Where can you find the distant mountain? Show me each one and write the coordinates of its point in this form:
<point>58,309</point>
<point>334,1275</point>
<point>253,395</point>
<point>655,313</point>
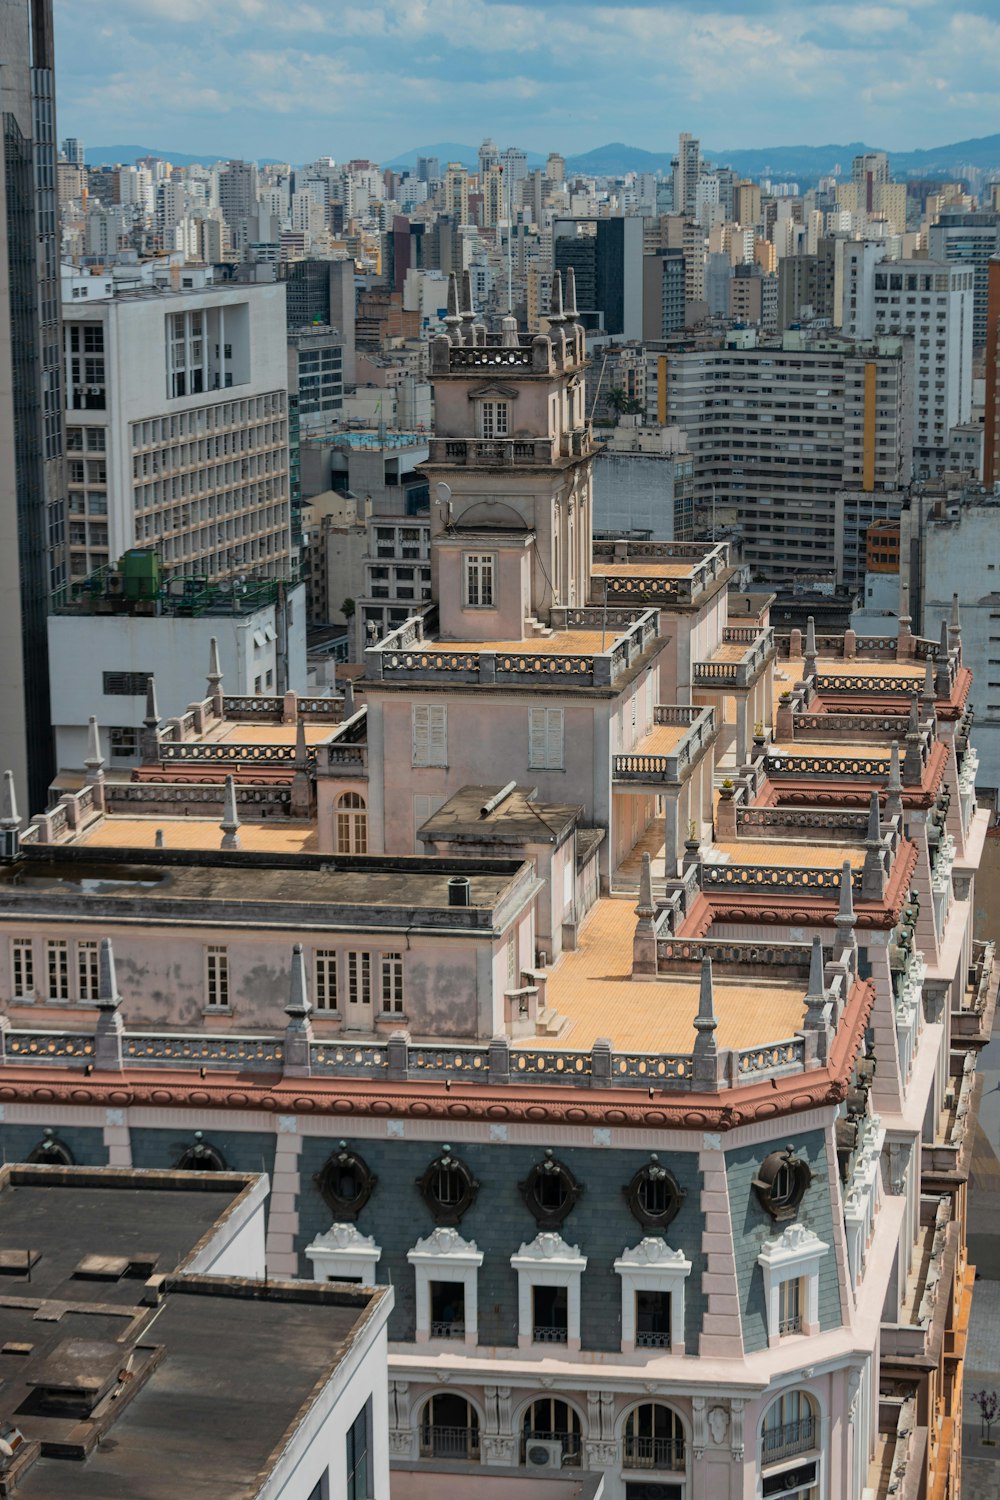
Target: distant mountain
<point>447,151</point>
<point>805,162</point>
<point>109,156</point>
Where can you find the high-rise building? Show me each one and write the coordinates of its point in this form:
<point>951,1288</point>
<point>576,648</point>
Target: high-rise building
<point>428,169</point>
<point>969,239</point>
<point>489,156</point>
<point>662,294</point>
<point>869,172</point>
<point>779,429</point>
<point>177,429</point>
<point>322,291</point>
<point>456,192</point>
<point>32,474</point>
<point>72,149</point>
<point>991,434</point>
<point>515,163</point>
<point>606,255</point>
<point>746,203</point>
<point>686,167</point>
<point>811,286</point>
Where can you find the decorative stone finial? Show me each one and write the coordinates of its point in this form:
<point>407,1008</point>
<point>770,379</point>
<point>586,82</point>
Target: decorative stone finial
<point>645,908</point>
<point>556,314</point>
<point>468,311</point>
<point>158,842</point>
<point>230,818</point>
<point>913,723</point>
<point>508,332</point>
<point>894,799</point>
<point>817,986</point>
<point>955,626</point>
<point>301,750</point>
<point>810,647</point>
<point>929,694</point>
<point>845,919</point>
<point>572,315</point>
<point>453,318</point>
<point>942,683</point>
<point>349,709</point>
<point>873,837</point>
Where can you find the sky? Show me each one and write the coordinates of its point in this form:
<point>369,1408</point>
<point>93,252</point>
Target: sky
<point>295,79</point>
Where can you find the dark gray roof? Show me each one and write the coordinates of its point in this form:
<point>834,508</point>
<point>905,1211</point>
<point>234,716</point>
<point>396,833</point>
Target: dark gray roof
<point>519,818</point>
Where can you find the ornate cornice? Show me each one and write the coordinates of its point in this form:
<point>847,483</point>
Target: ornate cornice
<point>538,1105</point>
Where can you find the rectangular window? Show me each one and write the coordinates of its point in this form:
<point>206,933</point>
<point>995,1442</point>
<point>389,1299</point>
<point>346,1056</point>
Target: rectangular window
<point>545,739</point>
<point>392,982</point>
<point>124,742</point>
<point>217,978</point>
<point>494,419</point>
<point>359,978</point>
<point>360,1479</point>
<point>790,1306</point>
<point>87,974</point>
<point>325,987</point>
<point>430,735</point>
<point>480,570</point>
<point>57,955</point>
<point>22,958</point>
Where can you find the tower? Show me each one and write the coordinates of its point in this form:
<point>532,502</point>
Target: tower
<point>510,473</point>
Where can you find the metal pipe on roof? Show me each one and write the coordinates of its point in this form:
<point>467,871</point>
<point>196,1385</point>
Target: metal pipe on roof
<point>496,799</point>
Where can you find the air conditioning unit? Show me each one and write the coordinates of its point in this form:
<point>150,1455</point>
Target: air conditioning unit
<point>543,1453</point>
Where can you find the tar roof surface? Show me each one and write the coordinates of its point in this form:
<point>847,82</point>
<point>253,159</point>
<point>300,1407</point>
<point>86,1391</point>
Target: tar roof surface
<point>519,817</point>
<point>235,1374</point>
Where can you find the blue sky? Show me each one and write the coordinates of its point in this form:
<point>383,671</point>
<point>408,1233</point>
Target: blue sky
<point>294,79</point>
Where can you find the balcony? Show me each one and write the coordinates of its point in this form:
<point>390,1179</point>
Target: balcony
<point>926,1295</point>
<point>972,1022</point>
<point>448,1328</point>
<point>789,1439</point>
<point>738,661</point>
<point>542,1333</point>
<point>946,1161</point>
<point>460,1443</point>
<point>666,1455</point>
<point>493,453</point>
<point>665,756</point>
<point>897,1467</point>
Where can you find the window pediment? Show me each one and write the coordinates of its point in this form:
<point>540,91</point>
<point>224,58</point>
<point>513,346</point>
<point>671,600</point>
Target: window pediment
<point>494,392</point>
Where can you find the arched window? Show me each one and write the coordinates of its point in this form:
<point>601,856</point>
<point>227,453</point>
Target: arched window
<point>781,1183</point>
<point>352,824</point>
<point>790,1427</point>
<point>548,1421</point>
<point>653,1195</point>
<point>449,1428</point>
<point>654,1439</point>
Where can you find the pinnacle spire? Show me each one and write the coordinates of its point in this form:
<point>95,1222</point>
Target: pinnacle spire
<point>645,908</point>
<point>929,693</point>
<point>8,803</point>
<point>913,725</point>
<point>572,315</point>
<point>301,752</point>
<point>556,314</point>
<point>298,1007</point>
<point>817,987</point>
<point>873,837</point>
<point>94,760</point>
<point>845,914</point>
<point>230,818</point>
<point>894,801</point>
<point>152,716</point>
<point>108,997</point>
<point>809,653</point>
<point>453,318</point>
<point>955,625</point>
<point>214,666</point>
<point>705,1023</point>
<point>468,311</point>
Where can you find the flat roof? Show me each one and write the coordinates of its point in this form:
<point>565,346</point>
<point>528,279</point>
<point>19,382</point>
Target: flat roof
<point>645,570</point>
<point>559,643</point>
<point>278,887</point>
<point>221,1370</point>
<point>593,989</point>
<point>244,732</point>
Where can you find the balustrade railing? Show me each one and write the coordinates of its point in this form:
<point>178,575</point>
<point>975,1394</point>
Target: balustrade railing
<point>788,1439</point>
<point>653,1453</point>
<point>802,763</point>
<point>774,878</point>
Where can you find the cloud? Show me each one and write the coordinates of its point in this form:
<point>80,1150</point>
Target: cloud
<point>294,79</point>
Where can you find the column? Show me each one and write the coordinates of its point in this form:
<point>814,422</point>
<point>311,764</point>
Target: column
<point>283,1219</point>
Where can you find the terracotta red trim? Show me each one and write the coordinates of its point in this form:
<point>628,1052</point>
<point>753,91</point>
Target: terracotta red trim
<point>536,1105</point>
<point>800,908</point>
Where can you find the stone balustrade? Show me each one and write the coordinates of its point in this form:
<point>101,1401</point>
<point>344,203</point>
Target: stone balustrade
<point>737,674</point>
<point>700,732</point>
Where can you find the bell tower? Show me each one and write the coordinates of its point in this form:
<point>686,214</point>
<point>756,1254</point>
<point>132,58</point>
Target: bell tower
<point>510,471</point>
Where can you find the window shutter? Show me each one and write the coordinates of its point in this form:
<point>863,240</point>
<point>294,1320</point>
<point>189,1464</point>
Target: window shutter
<point>554,739</point>
<point>430,735</point>
<point>439,736</point>
<point>421,735</point>
<point>536,738</point>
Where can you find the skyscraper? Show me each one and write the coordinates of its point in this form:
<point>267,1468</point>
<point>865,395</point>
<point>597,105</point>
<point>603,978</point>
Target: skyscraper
<point>687,169</point>
<point>32,504</point>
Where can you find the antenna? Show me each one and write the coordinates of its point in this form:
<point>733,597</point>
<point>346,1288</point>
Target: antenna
<point>510,242</point>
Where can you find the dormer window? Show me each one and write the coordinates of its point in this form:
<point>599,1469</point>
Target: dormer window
<point>494,419</point>
<point>480,580</point>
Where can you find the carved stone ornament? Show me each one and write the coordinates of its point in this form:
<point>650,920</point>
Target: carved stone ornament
<point>345,1182</point>
<point>718,1423</point>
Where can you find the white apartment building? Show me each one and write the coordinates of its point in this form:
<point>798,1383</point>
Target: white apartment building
<point>930,302</point>
<point>177,427</point>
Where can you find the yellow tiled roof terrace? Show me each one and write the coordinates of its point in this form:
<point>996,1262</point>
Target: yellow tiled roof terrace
<point>272,837</point>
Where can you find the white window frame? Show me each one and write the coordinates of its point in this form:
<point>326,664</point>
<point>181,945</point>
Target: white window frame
<point>548,1261</point>
<point>217,977</point>
<point>445,1256</point>
<point>651,1266</point>
<point>479,580</point>
<point>795,1255</point>
<point>391,983</point>
<point>22,968</point>
<point>56,949</point>
<point>494,419</point>
<point>546,739</point>
<point>344,1251</point>
<point>429,725</point>
<point>88,969</point>
<point>325,980</point>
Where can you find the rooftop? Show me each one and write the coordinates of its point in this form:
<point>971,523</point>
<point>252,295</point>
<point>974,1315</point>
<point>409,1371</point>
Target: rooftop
<point>593,989</point>
<point>805,855</point>
<point>277,836</point>
<point>519,818</point>
<point>98,1397</point>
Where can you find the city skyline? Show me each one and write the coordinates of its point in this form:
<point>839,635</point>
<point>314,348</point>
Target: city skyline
<point>241,80</point>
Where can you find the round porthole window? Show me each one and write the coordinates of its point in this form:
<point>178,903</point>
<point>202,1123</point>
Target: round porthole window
<point>781,1183</point>
<point>550,1190</point>
<point>50,1152</point>
<point>654,1196</point>
<point>448,1188</point>
<point>201,1157</point>
<point>345,1183</point>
